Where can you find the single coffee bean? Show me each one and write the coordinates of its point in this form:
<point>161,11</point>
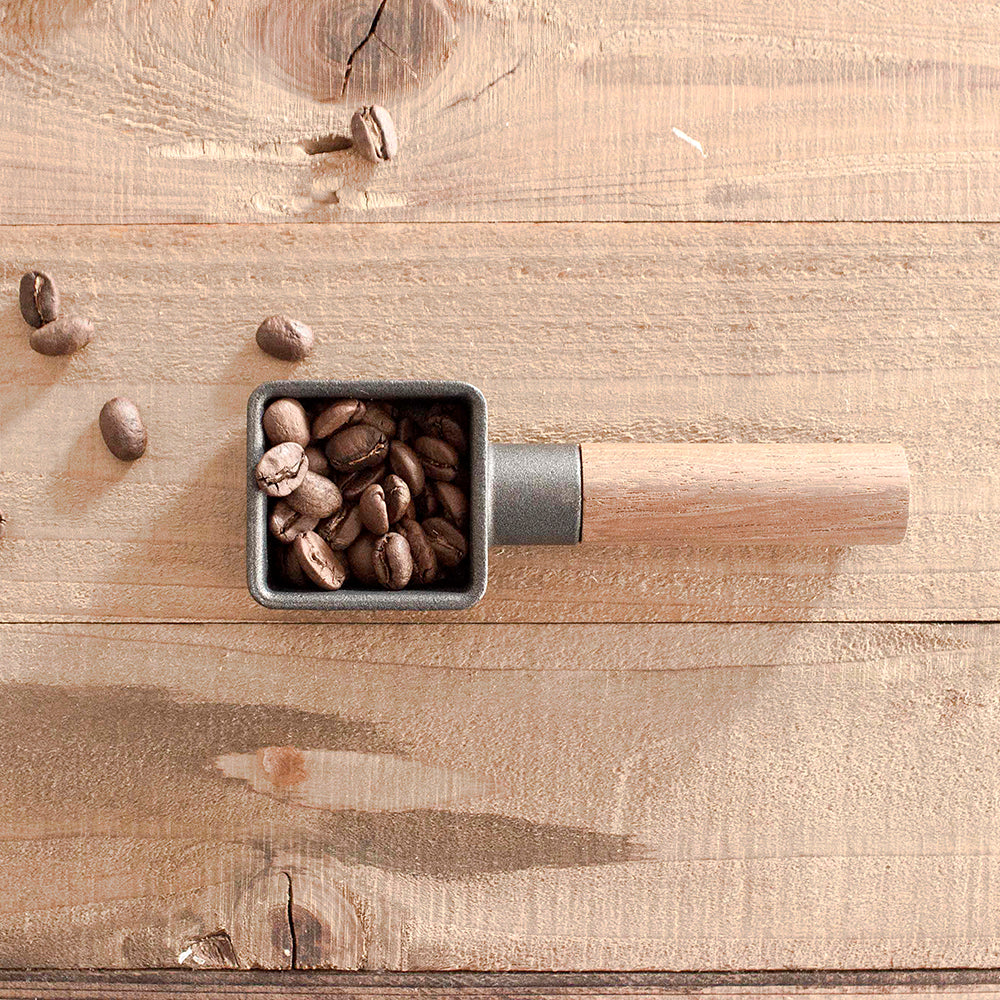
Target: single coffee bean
<point>374,134</point>
<point>282,469</point>
<point>393,561</point>
<point>425,563</point>
<point>407,465</point>
<point>284,338</point>
<point>39,299</point>
<point>286,523</point>
<point>341,529</point>
<point>361,557</point>
<point>65,335</point>
<point>453,504</point>
<point>355,483</point>
<point>397,497</point>
<point>359,446</point>
<point>292,567</point>
<point>316,496</point>
<point>286,420</point>
<point>326,568</point>
<point>376,416</point>
<point>122,429</point>
<point>449,543</point>
<point>374,515</point>
<point>337,415</point>
<point>317,460</point>
<point>439,459</point>
<point>440,425</point>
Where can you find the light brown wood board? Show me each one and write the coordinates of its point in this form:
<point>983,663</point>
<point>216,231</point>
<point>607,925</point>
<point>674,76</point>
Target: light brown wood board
<point>203,110</point>
<point>500,796</point>
<point>713,333</point>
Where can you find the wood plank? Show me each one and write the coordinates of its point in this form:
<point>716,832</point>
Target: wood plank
<point>491,797</point>
<point>920,985</point>
<point>126,111</point>
<point>780,333</point>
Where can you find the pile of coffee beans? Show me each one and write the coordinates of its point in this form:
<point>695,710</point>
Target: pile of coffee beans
<point>370,494</point>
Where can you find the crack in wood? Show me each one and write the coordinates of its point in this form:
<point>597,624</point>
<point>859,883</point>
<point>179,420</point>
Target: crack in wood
<point>357,48</point>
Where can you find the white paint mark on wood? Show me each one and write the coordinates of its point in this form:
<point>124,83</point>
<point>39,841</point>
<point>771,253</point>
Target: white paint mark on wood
<point>684,137</point>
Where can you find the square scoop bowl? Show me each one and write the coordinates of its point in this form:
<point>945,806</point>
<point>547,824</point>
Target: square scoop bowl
<point>263,577</point>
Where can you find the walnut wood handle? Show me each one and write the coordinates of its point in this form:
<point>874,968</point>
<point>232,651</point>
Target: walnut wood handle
<point>726,494</point>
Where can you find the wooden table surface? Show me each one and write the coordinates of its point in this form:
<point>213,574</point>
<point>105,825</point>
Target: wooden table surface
<point>762,223</point>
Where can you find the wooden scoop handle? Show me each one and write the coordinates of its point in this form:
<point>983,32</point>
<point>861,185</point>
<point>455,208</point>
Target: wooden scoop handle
<point>733,494</point>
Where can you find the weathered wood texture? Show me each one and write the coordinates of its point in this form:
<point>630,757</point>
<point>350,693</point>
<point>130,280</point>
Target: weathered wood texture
<point>510,986</point>
<point>195,110</point>
<point>500,796</point>
<point>783,333</point>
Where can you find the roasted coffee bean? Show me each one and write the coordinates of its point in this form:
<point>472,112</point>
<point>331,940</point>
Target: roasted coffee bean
<point>340,530</point>
<point>65,335</point>
<point>449,543</point>
<point>122,429</point>
<point>405,462</point>
<point>39,299</point>
<point>284,338</point>
<point>317,460</point>
<point>452,504</point>
<point>359,446</point>
<point>439,459</point>
<point>316,496</point>
<point>397,497</point>
<point>286,420</point>
<point>376,416</point>
<point>425,563</point>
<point>373,511</point>
<point>393,561</point>
<point>326,568</point>
<point>407,430</point>
<point>337,415</point>
<point>361,557</point>
<point>374,134</point>
<point>282,469</point>
<point>292,567</point>
<point>354,484</point>
<point>286,523</point>
<point>440,424</point>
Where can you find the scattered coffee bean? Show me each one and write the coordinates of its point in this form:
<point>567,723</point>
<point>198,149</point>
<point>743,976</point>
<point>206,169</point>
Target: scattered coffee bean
<point>337,415</point>
<point>286,420</point>
<point>282,469</point>
<point>340,530</point>
<point>452,503</point>
<point>359,446</point>
<point>122,429</point>
<point>286,523</point>
<point>439,459</point>
<point>316,496</point>
<point>39,299</point>
<point>449,543</point>
<point>354,484</point>
<point>374,134</point>
<point>361,558</point>
<point>393,561</point>
<point>374,515</point>
<point>326,568</point>
<point>360,506</point>
<point>317,460</point>
<point>425,564</point>
<point>284,338</point>
<point>407,465</point>
<point>397,497</point>
<point>65,335</point>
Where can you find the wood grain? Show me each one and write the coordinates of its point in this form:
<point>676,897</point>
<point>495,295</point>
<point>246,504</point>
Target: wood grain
<point>786,334</point>
<point>203,110</point>
<point>458,986</point>
<point>740,494</point>
<point>591,797</point>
